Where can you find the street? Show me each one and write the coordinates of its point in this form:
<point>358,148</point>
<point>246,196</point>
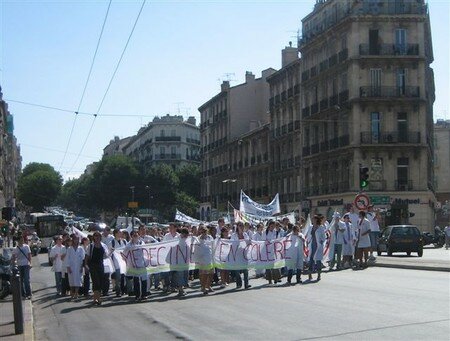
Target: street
<point>376,303</point>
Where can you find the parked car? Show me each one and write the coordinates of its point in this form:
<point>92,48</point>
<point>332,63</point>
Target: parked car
<point>401,238</point>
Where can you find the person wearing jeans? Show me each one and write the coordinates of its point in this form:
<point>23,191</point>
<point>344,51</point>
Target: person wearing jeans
<point>118,242</point>
<point>22,255</point>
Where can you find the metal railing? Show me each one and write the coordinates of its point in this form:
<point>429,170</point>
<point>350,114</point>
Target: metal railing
<point>368,137</point>
<point>389,50</point>
<point>389,91</point>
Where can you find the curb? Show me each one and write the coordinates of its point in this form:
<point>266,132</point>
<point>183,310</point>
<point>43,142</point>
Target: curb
<point>413,267</point>
<point>28,328</point>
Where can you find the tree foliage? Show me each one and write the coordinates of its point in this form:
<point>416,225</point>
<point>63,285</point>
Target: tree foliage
<point>39,185</point>
<point>189,176</point>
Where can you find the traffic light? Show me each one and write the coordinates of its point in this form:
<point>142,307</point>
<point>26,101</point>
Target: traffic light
<point>363,176</point>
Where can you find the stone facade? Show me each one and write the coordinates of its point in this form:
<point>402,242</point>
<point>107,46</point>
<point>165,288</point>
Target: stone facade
<point>167,139</point>
<point>10,159</point>
<point>442,171</point>
<point>235,147</point>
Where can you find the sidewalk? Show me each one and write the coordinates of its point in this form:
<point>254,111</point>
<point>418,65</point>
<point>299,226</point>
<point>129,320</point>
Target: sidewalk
<point>7,328</point>
<point>432,260</point>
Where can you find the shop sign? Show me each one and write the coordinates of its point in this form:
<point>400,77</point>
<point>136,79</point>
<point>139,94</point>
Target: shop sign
<point>330,202</point>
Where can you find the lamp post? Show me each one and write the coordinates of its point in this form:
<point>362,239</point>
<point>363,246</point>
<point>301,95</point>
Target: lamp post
<point>132,212</point>
<point>149,200</point>
<point>132,193</point>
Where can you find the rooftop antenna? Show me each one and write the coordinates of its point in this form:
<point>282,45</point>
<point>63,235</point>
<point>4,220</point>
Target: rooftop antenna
<point>178,104</point>
<point>293,42</point>
<point>228,75</point>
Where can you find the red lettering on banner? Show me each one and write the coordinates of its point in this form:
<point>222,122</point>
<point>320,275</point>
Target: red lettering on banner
<point>184,255</point>
<point>254,254</point>
<point>231,251</point>
<point>268,251</point>
<point>285,242</point>
<point>260,255</point>
<point>244,253</point>
<point>127,256</point>
<point>278,250</point>
<point>158,262</point>
<point>221,253</point>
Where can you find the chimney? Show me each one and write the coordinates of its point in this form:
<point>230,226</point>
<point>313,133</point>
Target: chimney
<point>288,55</point>
<point>249,77</point>
<point>225,85</point>
<point>191,120</point>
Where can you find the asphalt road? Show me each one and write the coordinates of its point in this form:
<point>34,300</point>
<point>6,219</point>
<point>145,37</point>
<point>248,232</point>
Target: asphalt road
<point>375,304</point>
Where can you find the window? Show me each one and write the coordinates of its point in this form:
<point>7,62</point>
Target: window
<point>402,173</point>
<point>400,41</point>
<point>173,150</point>
<point>401,81</point>
<point>375,81</point>
<point>402,127</point>
<point>344,82</point>
<point>173,132</point>
<point>163,133</point>
<point>162,150</point>
<point>375,127</point>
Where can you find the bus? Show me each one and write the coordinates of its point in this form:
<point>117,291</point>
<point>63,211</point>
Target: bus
<point>47,227</point>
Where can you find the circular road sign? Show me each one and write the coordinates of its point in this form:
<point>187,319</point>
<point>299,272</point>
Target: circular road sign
<point>361,201</point>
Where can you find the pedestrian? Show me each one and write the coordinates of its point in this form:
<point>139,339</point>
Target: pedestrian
<point>204,260</point>
<point>119,276</point>
<point>96,253</point>
<point>85,242</point>
<point>75,261</point>
<point>168,277</point>
<point>182,275</point>
<point>55,255</point>
<point>272,233</point>
<point>224,274</point>
<point>139,266</point>
<point>348,240</point>
<point>315,239</point>
<point>239,236</point>
<point>373,216</point>
<point>337,234</point>
<point>259,236</point>
<point>363,243</point>
<point>22,256</point>
<point>296,263</point>
<point>67,242</point>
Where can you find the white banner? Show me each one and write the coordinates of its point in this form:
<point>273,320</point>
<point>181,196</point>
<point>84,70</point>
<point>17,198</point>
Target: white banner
<point>249,206</point>
<point>187,254</point>
<point>179,216</point>
<point>240,216</point>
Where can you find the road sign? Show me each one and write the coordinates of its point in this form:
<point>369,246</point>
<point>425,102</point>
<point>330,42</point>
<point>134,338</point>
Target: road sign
<point>361,201</point>
<point>380,199</point>
<point>133,204</point>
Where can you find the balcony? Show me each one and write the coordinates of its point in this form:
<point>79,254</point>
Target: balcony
<point>324,146</point>
<point>389,92</point>
<point>333,100</point>
<point>343,55</point>
<point>389,50</point>
<point>403,185</point>
<point>314,108</point>
<point>167,156</point>
<point>296,89</point>
<point>344,140</point>
<point>368,137</point>
<point>332,61</point>
<point>284,129</point>
<point>315,148</point>
<point>193,141</point>
<point>167,138</point>
<point>323,65</point>
<point>290,127</point>
<point>343,96</point>
<point>334,143</point>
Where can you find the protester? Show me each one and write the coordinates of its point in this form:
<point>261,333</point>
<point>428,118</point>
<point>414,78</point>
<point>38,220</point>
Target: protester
<point>447,237</point>
<point>337,231</point>
<point>75,258</point>
<point>139,266</point>
<point>22,256</point>
<point>363,243</point>
<point>55,255</point>
<point>119,276</point>
<point>296,264</point>
<point>85,242</point>
<point>238,236</point>
<point>204,260</point>
<point>182,276</point>
<point>224,274</point>
<point>65,275</point>
<point>373,217</point>
<point>315,239</point>
<point>348,240</point>
<point>168,277</point>
<point>272,233</point>
<point>96,253</point>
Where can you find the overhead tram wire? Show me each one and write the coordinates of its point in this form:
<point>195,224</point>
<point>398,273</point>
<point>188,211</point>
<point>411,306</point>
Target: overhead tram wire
<point>85,85</point>
<point>109,86</point>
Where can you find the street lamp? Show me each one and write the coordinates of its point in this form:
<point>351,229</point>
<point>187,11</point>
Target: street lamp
<point>229,181</point>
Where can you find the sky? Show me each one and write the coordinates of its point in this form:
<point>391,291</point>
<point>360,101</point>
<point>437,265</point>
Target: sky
<point>176,59</point>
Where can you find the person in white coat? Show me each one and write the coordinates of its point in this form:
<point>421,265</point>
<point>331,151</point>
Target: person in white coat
<point>55,255</point>
<point>296,263</point>
<point>337,234</point>
<point>271,234</point>
<point>315,239</point>
<point>348,240</point>
<point>363,239</point>
<point>75,258</point>
<point>259,236</point>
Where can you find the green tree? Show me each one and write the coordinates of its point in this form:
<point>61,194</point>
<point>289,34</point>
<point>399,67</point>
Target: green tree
<point>112,179</point>
<point>186,204</point>
<point>189,176</point>
<point>39,185</point>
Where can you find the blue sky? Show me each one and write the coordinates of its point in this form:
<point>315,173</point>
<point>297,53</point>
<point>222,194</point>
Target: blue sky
<point>175,61</point>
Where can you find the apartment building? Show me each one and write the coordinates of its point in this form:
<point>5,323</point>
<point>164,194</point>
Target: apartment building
<point>367,94</point>
<point>442,171</point>
<point>167,139</point>
<point>234,144</point>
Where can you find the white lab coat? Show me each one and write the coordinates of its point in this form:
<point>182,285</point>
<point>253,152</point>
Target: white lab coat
<point>348,239</point>
<point>363,227</point>
<point>320,240</point>
<point>75,259</point>
<point>297,260</point>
